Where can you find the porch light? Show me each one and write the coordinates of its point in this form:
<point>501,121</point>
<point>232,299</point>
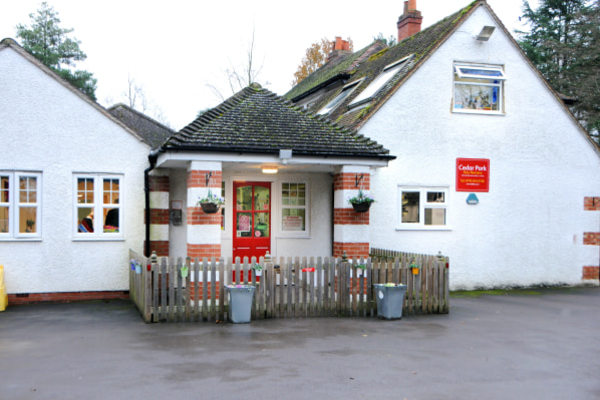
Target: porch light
<point>269,170</point>
<point>485,33</point>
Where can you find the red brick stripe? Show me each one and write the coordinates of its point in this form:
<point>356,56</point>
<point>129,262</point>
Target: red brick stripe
<point>158,216</point>
<point>65,297</point>
<point>352,250</point>
<point>347,181</point>
<point>591,203</point>
<point>195,216</point>
<point>198,179</point>
<point>159,183</point>
<point>160,246</point>
<point>347,216</point>
<point>591,238</point>
<point>203,250</point>
<point>590,272</point>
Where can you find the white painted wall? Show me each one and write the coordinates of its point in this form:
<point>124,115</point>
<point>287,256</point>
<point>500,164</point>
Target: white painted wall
<point>528,229</point>
<point>46,127</point>
<point>316,243</point>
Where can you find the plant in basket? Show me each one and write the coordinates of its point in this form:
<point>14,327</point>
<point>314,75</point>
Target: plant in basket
<point>361,202</point>
<point>211,203</point>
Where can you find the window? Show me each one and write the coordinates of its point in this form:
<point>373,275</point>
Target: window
<point>20,198</point>
<point>97,206</point>
<point>478,88</point>
<point>337,100</point>
<point>377,83</point>
<point>294,206</point>
<point>423,207</point>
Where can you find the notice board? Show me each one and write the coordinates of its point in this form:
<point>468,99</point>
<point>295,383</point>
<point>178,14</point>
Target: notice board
<point>472,175</point>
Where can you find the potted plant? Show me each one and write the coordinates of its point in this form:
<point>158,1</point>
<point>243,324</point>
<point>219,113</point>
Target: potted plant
<point>258,269</point>
<point>211,203</point>
<point>362,202</point>
<point>414,268</point>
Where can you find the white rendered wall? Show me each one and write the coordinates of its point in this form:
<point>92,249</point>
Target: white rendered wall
<point>317,242</point>
<point>528,229</point>
<point>45,127</point>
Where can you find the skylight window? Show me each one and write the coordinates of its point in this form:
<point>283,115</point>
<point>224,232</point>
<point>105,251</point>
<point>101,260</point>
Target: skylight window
<point>379,82</point>
<point>337,100</point>
<point>466,72</point>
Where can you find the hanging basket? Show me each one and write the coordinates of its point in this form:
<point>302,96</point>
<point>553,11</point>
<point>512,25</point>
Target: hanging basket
<point>209,208</point>
<point>361,207</point>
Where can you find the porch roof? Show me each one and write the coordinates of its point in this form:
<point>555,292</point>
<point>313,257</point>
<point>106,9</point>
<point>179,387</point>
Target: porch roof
<point>257,121</point>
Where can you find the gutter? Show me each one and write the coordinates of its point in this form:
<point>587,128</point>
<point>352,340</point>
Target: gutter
<point>152,157</point>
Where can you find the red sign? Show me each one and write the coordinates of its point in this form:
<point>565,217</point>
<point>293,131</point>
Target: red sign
<point>472,175</point>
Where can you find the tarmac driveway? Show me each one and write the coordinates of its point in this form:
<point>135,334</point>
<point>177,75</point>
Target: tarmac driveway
<point>493,347</point>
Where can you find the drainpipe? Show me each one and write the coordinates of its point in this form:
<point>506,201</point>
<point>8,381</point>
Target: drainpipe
<point>152,157</point>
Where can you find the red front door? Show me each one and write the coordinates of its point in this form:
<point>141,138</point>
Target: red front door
<point>251,219</point>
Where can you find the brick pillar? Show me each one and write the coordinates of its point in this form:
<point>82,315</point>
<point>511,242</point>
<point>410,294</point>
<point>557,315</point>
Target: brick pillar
<point>203,230</point>
<point>591,272</point>
<point>159,212</point>
<point>350,229</point>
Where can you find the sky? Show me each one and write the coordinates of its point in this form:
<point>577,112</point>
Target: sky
<point>178,51</point>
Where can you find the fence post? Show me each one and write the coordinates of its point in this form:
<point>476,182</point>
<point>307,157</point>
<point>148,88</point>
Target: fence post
<point>148,287</point>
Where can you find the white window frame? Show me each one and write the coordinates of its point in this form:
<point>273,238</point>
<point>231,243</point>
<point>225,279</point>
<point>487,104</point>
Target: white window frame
<point>295,234</point>
<point>461,77</point>
<point>423,204</point>
<point>98,206</point>
<point>380,81</point>
<point>340,97</point>
<point>14,205</point>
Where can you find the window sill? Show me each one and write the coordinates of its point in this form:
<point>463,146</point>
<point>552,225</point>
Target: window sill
<point>99,239</point>
<point>477,112</point>
<point>284,236</point>
<point>13,239</point>
<point>423,228</point>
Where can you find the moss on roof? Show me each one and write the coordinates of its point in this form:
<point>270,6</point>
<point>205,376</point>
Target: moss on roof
<point>257,121</point>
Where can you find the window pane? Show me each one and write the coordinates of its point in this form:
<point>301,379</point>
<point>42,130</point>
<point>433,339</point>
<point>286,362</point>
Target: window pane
<point>435,197</point>
<point>85,190</point>
<point>261,224</point>
<point>435,216</point>
<point>111,220</point>
<point>4,220</point>
<point>410,207</point>
<point>294,219</point>
<point>476,97</point>
<point>85,220</point>
<point>111,191</point>
<point>27,219</point>
<point>482,72</point>
<point>4,189</point>
<point>27,189</point>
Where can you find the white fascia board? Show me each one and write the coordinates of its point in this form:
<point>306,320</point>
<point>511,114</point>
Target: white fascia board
<point>163,158</point>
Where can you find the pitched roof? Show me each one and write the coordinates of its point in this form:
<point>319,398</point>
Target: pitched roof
<point>152,132</point>
<point>256,120</point>
<point>11,43</point>
<point>417,47</point>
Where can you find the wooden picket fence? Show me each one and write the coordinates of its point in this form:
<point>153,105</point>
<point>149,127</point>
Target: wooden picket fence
<point>194,290</point>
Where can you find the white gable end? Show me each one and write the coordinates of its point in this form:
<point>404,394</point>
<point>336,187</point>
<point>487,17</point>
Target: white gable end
<point>528,228</point>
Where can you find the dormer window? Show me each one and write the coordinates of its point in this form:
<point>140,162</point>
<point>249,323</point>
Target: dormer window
<point>384,77</point>
<point>337,100</point>
<point>478,88</point>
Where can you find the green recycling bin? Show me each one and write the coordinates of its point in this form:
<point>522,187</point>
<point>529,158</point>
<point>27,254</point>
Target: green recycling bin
<point>240,302</point>
<point>390,299</point>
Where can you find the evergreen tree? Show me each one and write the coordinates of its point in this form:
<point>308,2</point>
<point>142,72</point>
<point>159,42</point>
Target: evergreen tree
<point>563,43</point>
<point>49,43</point>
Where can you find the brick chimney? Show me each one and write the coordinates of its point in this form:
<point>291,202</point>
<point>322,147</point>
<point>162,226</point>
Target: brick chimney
<point>409,23</point>
<point>340,46</point>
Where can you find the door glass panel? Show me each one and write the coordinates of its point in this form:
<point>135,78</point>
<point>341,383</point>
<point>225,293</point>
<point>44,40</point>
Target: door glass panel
<point>244,224</point>
<point>261,224</point>
<point>27,219</point>
<point>244,198</point>
<point>261,198</point>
